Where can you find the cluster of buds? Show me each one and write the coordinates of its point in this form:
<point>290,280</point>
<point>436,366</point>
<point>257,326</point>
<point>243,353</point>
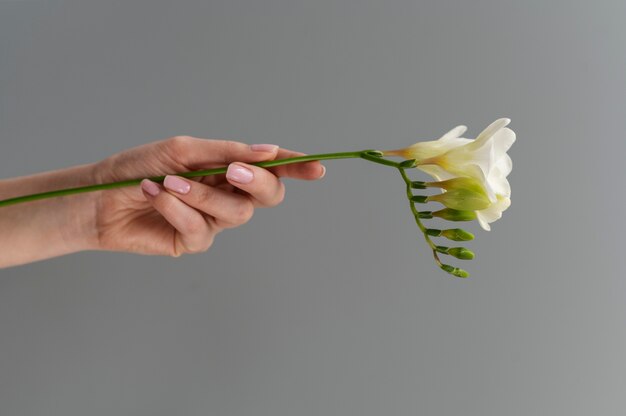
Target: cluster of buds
<point>472,178</point>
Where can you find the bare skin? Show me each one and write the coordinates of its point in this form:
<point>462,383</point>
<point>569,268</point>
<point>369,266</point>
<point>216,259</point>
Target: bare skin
<point>177,217</point>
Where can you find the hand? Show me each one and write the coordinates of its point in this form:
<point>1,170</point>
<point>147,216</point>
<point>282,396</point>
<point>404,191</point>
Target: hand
<point>184,215</point>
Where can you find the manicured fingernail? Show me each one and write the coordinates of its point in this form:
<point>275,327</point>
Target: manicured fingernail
<point>150,187</point>
<point>323,172</point>
<point>263,147</point>
<point>177,184</point>
<point>239,174</point>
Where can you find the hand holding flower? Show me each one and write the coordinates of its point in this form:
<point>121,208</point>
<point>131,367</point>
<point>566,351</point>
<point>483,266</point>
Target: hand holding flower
<point>181,212</point>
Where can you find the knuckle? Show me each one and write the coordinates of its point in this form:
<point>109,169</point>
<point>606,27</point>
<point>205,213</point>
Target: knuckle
<point>203,194</point>
<point>229,150</point>
<point>179,143</point>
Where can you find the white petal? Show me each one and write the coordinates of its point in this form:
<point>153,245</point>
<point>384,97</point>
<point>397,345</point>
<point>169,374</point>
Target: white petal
<point>481,157</point>
<point>500,186</point>
<point>504,166</point>
<point>454,133</point>
<point>503,140</point>
<point>484,224</point>
<point>497,176</point>
<point>437,172</point>
<point>493,212</point>
<point>490,130</point>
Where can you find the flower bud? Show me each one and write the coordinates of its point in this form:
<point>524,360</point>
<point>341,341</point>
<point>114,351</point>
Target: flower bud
<point>462,200</point>
<point>461,253</point>
<point>454,215</point>
<point>455,234</point>
<point>455,271</point>
<point>464,194</point>
<point>461,182</point>
<point>460,272</point>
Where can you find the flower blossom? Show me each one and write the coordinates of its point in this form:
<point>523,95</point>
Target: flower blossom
<point>484,159</point>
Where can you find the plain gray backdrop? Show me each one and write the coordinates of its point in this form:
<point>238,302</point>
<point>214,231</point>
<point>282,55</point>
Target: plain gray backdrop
<point>329,304</point>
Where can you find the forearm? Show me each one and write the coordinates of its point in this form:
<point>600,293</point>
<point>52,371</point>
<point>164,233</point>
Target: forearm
<point>48,228</point>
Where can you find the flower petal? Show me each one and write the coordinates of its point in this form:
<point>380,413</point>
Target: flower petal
<point>490,130</point>
<point>503,140</point>
<point>437,172</point>
<point>454,133</point>
<point>493,212</point>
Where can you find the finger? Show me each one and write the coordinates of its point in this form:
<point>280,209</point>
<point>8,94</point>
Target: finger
<point>227,208</point>
<point>201,153</point>
<point>194,234</point>
<point>307,171</point>
<point>262,185</point>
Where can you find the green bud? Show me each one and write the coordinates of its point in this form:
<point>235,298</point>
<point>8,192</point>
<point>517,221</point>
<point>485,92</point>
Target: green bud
<point>462,199</point>
<point>461,182</point>
<point>433,232</point>
<point>463,194</point>
<point>454,215</point>
<point>418,185</point>
<point>419,198</point>
<point>408,164</point>
<point>460,273</point>
<point>426,215</point>
<point>461,253</point>
<point>455,271</point>
<point>456,234</point>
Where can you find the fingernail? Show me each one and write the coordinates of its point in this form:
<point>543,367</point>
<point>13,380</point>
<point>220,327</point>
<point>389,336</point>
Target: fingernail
<point>263,147</point>
<point>239,174</point>
<point>323,172</point>
<point>150,187</point>
<point>177,184</point>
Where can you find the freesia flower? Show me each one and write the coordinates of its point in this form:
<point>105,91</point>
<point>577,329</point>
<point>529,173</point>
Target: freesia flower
<point>484,159</point>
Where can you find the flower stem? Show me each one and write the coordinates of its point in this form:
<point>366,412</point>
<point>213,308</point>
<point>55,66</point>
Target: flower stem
<point>370,155</point>
<point>416,213</point>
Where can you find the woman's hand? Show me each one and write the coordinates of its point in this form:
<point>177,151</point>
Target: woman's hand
<point>184,215</point>
<point>179,216</point>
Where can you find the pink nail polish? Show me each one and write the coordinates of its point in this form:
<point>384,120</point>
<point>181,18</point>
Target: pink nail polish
<point>177,184</point>
<point>263,148</point>
<point>239,174</point>
<point>150,187</point>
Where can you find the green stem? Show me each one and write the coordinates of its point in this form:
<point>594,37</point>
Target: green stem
<point>370,155</point>
<point>409,195</point>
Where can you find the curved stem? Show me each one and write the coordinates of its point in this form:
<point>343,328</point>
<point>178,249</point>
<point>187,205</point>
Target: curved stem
<point>416,213</point>
<point>363,154</point>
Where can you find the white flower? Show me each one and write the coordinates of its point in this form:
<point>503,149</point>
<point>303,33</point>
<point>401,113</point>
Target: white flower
<point>484,159</point>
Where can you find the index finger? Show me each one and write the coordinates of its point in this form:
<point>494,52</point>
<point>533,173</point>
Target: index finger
<point>307,170</point>
<point>197,153</point>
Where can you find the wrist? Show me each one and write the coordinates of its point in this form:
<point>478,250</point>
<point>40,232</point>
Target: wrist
<point>77,213</point>
<point>51,227</point>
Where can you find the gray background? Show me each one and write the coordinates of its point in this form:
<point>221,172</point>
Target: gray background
<point>329,304</point>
